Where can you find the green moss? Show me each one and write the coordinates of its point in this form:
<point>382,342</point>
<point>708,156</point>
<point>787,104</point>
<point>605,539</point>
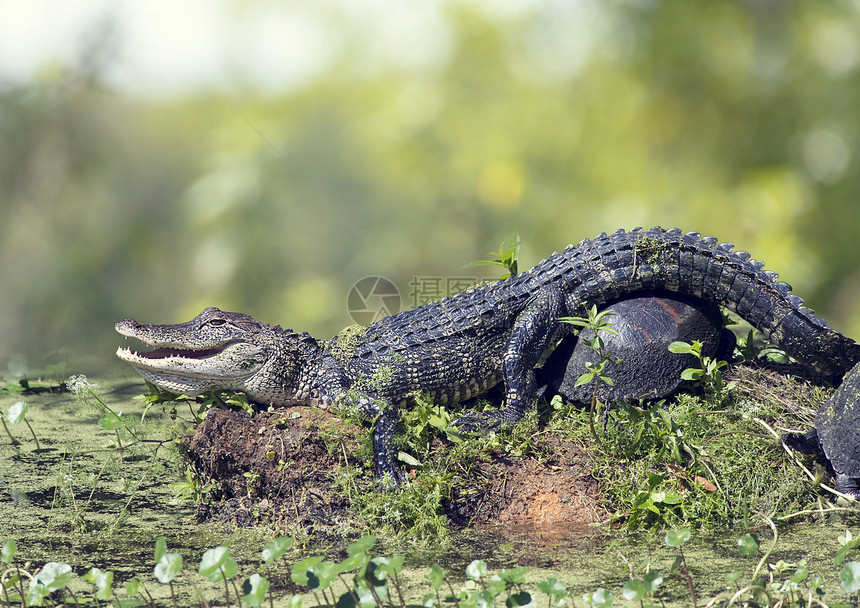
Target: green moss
<point>648,250</point>
<point>345,343</point>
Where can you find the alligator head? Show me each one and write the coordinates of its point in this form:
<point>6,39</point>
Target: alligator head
<point>214,350</point>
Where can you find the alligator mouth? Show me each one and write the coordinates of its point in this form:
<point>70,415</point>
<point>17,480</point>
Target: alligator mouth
<point>127,354</point>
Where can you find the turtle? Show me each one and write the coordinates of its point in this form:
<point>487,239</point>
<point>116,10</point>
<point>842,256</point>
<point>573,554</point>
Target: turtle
<point>646,369</point>
<point>836,433</point>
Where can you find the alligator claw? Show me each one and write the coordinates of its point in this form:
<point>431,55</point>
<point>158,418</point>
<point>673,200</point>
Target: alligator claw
<point>480,423</point>
<point>391,479</point>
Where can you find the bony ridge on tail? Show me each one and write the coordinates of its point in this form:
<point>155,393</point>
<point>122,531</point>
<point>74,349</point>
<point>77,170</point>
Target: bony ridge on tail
<point>458,347</point>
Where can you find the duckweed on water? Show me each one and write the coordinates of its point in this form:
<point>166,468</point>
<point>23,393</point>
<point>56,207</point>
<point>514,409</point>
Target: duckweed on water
<point>361,580</point>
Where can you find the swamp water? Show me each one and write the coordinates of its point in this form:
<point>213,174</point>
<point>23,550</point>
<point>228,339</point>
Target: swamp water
<point>81,501</point>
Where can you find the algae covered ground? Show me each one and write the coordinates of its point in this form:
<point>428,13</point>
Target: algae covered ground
<point>107,481</point>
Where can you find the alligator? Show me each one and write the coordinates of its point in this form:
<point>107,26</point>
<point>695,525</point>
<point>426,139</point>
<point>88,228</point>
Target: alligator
<point>458,347</point>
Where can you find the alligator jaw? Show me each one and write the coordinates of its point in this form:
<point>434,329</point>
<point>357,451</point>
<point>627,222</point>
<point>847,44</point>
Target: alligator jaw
<point>184,363</point>
<point>192,372</point>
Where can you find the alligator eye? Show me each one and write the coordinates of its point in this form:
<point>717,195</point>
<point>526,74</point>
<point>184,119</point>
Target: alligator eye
<point>216,322</point>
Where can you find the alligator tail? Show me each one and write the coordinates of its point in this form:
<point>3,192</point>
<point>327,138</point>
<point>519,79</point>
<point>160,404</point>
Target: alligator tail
<point>610,266</point>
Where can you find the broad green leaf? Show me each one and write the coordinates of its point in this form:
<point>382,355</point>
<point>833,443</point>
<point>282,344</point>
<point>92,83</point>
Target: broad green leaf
<point>514,576</point>
<point>551,586</point>
<point>54,576</point>
<point>476,569</point>
<point>133,587</point>
<point>682,348</point>
<point>168,568</point>
<point>436,576</point>
<point>276,549</point>
<point>845,549</point>
<point>748,545</point>
<point>18,412</point>
<point>212,562</point>
<point>691,374</point>
<point>103,582</point>
<point>634,590</point>
<point>408,459</point>
<point>302,570</point>
<point>255,588</point>
<point>799,575</point>
<point>584,379</point>
<point>849,576</point>
<point>111,421</point>
<point>676,538</point>
<point>599,599</point>
<point>652,580</point>
<point>354,562</point>
<point>7,551</point>
<point>363,544</point>
<point>321,576</point>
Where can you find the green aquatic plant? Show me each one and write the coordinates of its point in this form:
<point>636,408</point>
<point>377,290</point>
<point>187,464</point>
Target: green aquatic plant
<point>709,373</point>
<point>363,580</point>
<point>597,322</point>
<point>17,413</point>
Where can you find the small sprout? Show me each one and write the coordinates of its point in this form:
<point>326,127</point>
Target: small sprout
<point>708,373</point>
<point>507,257</point>
<point>17,413</point>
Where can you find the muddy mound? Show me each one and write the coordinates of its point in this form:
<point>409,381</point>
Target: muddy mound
<point>283,467</point>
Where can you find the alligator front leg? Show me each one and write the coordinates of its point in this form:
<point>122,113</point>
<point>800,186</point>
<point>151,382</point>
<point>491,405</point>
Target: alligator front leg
<point>384,451</point>
<point>533,332</point>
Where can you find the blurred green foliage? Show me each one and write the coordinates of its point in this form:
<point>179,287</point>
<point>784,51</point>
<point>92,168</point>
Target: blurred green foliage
<point>733,118</point>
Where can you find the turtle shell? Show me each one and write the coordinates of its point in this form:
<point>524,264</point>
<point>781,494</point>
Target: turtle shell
<point>838,425</point>
<point>646,325</point>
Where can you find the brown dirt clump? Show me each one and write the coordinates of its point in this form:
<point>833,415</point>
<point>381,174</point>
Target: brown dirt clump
<point>281,467</point>
<point>553,488</point>
<point>273,466</point>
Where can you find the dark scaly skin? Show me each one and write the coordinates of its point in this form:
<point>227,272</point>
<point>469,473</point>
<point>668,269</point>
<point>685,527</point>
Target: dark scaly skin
<point>458,347</point>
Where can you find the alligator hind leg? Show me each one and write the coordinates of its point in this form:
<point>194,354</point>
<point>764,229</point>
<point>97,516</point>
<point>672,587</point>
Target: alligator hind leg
<point>533,332</point>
